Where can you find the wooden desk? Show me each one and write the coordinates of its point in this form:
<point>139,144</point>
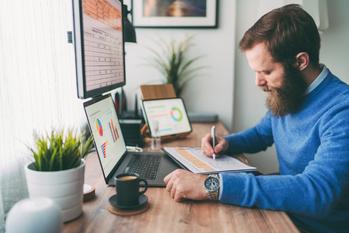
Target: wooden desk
<point>166,215</point>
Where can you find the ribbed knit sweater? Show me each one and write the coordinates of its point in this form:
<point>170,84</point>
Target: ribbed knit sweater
<point>312,149</point>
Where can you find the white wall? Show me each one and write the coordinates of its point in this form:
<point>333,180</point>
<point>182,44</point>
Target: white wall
<point>213,90</point>
<point>249,100</point>
<point>335,40</point>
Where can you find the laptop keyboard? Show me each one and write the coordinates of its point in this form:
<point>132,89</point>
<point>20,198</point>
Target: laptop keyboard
<point>146,166</point>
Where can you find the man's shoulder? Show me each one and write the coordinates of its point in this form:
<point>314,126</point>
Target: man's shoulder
<point>332,92</point>
<point>337,85</point>
<point>335,101</point>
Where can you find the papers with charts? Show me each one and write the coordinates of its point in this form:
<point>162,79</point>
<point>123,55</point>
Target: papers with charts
<point>194,160</point>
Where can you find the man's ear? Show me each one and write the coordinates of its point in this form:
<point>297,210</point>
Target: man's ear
<point>302,60</point>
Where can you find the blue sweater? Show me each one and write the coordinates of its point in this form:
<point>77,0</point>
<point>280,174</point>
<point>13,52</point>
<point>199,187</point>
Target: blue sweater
<point>312,148</point>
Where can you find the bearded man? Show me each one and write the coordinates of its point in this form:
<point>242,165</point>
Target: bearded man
<point>307,121</point>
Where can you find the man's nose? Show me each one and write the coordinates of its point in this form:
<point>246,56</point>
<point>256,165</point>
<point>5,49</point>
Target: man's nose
<point>260,80</point>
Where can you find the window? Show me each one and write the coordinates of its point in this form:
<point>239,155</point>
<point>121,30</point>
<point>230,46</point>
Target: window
<point>37,85</point>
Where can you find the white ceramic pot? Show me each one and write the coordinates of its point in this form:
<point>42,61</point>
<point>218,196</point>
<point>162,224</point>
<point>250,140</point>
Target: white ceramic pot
<point>65,188</point>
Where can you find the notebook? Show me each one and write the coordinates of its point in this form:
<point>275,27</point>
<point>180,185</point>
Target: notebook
<point>166,117</point>
<point>194,160</point>
<point>111,148</point>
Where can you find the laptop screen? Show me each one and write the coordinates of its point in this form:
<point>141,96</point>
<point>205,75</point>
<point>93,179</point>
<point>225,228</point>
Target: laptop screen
<point>106,132</point>
<point>166,117</point>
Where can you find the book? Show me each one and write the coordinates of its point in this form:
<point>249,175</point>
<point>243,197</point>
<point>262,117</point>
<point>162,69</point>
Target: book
<point>194,160</point>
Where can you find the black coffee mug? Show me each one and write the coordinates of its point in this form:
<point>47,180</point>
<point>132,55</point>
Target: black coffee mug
<point>128,188</point>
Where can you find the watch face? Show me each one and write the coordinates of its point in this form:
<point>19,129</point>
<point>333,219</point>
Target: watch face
<point>212,183</point>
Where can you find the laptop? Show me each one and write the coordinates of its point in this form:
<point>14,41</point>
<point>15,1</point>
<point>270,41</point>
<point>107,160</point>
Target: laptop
<point>166,117</point>
<point>111,148</point>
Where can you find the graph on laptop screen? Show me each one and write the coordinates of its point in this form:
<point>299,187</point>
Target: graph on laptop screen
<point>106,132</point>
<point>99,46</point>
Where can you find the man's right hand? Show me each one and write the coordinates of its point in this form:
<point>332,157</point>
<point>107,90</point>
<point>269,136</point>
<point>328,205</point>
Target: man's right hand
<point>206,145</point>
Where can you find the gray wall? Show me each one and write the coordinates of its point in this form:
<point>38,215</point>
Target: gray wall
<point>249,100</point>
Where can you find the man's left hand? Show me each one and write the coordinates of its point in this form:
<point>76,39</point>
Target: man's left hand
<point>182,184</point>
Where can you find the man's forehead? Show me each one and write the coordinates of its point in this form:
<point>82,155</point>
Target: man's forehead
<point>259,55</point>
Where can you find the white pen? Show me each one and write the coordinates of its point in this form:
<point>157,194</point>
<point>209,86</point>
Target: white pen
<point>213,136</point>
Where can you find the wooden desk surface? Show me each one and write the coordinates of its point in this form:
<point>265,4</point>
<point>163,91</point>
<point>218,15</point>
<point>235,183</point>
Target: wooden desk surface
<point>166,215</point>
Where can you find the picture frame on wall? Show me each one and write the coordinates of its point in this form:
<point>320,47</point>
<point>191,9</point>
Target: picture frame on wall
<point>175,13</point>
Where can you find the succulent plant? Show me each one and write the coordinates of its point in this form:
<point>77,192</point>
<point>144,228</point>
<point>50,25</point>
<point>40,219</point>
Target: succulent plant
<point>60,150</point>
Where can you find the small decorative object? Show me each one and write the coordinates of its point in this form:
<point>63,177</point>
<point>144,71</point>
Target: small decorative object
<point>155,144</point>
<point>89,192</point>
<point>175,13</point>
<point>34,215</point>
<point>175,63</point>
<point>58,170</point>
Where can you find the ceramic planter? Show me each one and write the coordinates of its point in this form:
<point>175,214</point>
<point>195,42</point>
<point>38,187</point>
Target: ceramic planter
<point>64,187</point>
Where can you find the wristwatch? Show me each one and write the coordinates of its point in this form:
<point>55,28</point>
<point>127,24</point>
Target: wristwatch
<point>212,186</point>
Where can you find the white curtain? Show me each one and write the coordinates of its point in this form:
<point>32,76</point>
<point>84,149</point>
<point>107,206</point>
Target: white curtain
<point>37,84</point>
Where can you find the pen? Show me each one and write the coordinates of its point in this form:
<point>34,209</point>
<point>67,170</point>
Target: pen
<point>213,136</point>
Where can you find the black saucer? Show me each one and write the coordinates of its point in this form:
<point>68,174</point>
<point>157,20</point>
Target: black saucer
<point>142,201</point>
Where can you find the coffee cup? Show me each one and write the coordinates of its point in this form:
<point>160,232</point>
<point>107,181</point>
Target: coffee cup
<point>129,188</point>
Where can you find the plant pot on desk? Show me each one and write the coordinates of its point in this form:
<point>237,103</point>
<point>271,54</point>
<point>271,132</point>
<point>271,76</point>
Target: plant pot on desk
<point>64,187</point>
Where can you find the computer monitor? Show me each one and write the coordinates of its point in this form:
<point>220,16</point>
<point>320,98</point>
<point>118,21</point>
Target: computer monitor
<point>99,46</point>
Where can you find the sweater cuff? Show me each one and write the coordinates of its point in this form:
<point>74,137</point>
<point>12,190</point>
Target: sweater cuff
<point>220,186</point>
<point>232,187</point>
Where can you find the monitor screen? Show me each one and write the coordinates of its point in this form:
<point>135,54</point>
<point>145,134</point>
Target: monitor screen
<point>106,131</point>
<point>99,46</point>
<point>166,117</point>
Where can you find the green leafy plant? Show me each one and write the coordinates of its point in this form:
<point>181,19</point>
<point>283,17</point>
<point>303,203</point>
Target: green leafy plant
<point>174,61</point>
<point>60,151</point>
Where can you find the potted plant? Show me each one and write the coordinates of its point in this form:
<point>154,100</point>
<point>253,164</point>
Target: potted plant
<point>58,170</point>
<point>175,62</point>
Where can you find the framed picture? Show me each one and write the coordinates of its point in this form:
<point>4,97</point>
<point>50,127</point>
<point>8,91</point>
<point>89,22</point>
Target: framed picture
<point>175,13</point>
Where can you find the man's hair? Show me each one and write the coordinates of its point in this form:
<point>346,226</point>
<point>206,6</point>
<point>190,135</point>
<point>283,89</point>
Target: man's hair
<point>286,31</point>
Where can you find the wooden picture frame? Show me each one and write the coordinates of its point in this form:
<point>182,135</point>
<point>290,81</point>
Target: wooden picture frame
<point>175,13</point>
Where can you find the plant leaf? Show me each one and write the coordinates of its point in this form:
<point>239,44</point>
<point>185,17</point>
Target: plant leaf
<point>173,60</point>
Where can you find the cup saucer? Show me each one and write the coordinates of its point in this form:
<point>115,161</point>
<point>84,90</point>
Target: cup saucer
<point>142,201</point>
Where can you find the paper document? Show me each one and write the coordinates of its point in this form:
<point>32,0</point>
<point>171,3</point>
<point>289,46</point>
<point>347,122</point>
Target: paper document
<point>194,160</point>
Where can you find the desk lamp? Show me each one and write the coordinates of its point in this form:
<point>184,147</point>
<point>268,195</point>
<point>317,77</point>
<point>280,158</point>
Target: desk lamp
<point>129,30</point>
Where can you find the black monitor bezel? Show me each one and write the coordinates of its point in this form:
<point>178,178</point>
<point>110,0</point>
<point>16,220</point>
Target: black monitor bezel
<point>78,26</point>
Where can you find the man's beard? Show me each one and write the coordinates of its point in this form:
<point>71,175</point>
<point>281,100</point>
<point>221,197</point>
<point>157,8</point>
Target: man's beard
<point>288,98</point>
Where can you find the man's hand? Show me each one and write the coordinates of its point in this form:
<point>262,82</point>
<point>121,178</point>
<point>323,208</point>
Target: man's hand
<point>182,184</point>
<point>206,146</point>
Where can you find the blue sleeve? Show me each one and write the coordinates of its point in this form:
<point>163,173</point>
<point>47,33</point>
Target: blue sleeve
<point>322,185</point>
<point>252,140</point>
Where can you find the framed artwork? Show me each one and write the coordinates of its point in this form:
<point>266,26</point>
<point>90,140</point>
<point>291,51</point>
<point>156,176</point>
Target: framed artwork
<point>175,13</point>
